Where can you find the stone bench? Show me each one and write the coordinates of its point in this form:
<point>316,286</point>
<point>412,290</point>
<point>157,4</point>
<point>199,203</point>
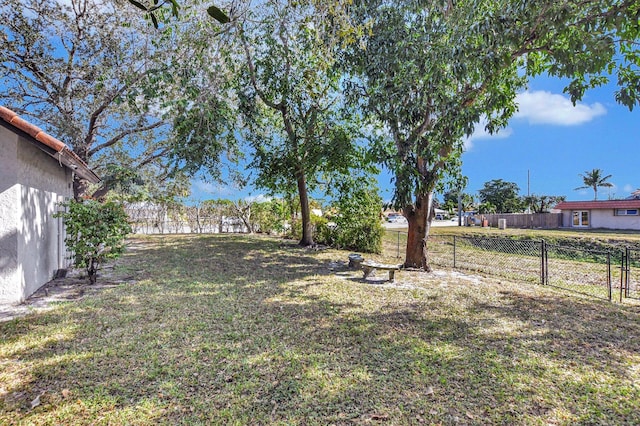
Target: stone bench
<point>369,267</point>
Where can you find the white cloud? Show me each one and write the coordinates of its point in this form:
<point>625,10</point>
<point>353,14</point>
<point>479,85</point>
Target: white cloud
<point>541,107</point>
<point>261,198</point>
<point>479,132</point>
<point>211,188</point>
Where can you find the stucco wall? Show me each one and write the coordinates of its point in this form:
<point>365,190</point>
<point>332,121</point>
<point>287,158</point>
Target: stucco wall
<point>10,272</point>
<point>39,183</point>
<point>604,218</point>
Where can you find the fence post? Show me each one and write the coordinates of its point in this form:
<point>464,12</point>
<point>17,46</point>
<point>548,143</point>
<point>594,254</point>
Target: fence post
<point>398,247</point>
<point>622,273</point>
<point>627,270</point>
<point>454,252</point>
<point>546,263</point>
<point>543,263</point>
<point>609,275</point>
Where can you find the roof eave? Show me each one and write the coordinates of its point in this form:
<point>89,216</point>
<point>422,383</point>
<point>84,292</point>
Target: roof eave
<point>50,145</point>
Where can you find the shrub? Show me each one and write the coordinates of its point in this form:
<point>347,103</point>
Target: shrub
<point>357,223</point>
<point>95,232</point>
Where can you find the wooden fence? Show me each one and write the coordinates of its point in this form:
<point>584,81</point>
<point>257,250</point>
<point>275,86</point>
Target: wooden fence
<point>523,220</point>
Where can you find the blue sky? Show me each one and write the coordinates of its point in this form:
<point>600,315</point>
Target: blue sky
<point>548,138</point>
<point>556,142</point>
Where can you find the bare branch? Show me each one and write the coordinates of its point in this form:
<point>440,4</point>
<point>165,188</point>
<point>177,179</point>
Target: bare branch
<point>124,134</point>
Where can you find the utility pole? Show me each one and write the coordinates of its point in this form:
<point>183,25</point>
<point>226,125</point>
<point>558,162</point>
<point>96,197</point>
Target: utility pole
<point>528,191</point>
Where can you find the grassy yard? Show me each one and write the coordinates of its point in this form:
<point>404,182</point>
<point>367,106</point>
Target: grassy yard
<point>228,329</point>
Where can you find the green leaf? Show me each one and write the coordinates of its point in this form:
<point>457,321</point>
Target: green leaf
<point>217,14</point>
<point>154,19</point>
<point>138,5</point>
<point>175,7</point>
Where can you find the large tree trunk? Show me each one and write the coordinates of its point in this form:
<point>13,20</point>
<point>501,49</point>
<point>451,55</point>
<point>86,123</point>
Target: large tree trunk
<point>419,219</point>
<point>80,187</point>
<point>307,230</point>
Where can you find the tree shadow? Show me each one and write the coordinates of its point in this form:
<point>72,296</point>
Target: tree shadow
<point>237,330</point>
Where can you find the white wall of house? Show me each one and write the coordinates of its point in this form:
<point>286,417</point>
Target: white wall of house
<point>607,219</point>
<point>604,218</point>
<point>31,240</point>
<point>10,271</point>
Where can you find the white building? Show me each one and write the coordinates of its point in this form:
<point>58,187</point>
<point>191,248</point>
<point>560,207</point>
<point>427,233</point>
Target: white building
<point>36,173</point>
<point>610,214</point>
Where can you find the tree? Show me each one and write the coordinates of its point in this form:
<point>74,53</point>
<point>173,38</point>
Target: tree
<point>273,87</point>
<point>220,210</point>
<point>412,79</point>
<point>502,195</point>
<point>101,79</point>
<point>290,103</point>
<point>486,208</point>
<point>452,201</point>
<point>542,203</point>
<point>594,179</point>
<point>243,210</point>
<point>430,70</point>
<point>269,215</point>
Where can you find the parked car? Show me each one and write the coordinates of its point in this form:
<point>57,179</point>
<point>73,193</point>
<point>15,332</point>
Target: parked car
<point>396,218</point>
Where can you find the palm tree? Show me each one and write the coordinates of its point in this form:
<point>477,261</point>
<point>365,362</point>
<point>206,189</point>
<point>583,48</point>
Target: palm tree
<point>594,179</point>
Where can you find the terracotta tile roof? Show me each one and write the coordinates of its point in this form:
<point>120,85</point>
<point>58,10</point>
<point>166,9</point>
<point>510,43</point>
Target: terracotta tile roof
<point>62,153</point>
<point>596,205</point>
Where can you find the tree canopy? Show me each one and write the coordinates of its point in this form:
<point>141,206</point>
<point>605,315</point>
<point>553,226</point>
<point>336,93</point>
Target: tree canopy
<point>431,70</point>
<point>281,99</point>
<point>504,196</point>
<point>299,82</point>
<point>83,71</point>
<point>542,203</point>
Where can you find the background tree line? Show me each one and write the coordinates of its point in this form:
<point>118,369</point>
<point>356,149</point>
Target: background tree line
<point>499,196</point>
<point>308,94</point>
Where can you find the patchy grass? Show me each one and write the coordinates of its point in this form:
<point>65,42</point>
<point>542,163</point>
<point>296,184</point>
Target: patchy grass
<point>228,329</point>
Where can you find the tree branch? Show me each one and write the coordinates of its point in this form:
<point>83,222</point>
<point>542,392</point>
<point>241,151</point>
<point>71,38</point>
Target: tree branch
<point>252,74</point>
<point>122,135</point>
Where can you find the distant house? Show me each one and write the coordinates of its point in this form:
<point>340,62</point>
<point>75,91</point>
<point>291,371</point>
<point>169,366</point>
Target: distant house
<point>611,214</point>
<point>36,173</point>
<point>635,195</point>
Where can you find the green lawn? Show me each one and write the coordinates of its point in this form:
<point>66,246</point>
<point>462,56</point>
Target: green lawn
<point>228,329</point>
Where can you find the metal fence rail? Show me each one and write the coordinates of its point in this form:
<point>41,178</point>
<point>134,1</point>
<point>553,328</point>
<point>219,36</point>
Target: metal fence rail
<point>601,274</point>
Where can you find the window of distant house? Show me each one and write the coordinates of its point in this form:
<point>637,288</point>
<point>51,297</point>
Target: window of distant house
<point>626,212</point>
<point>581,218</point>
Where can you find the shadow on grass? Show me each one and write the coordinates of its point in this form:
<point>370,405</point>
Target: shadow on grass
<point>245,330</point>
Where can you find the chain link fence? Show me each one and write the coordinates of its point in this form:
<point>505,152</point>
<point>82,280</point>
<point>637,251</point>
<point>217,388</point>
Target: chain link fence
<point>632,276</point>
<point>600,274</point>
<point>512,259</point>
<point>583,271</point>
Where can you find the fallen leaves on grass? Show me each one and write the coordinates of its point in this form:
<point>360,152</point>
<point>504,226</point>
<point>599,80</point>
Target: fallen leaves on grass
<point>241,329</point>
